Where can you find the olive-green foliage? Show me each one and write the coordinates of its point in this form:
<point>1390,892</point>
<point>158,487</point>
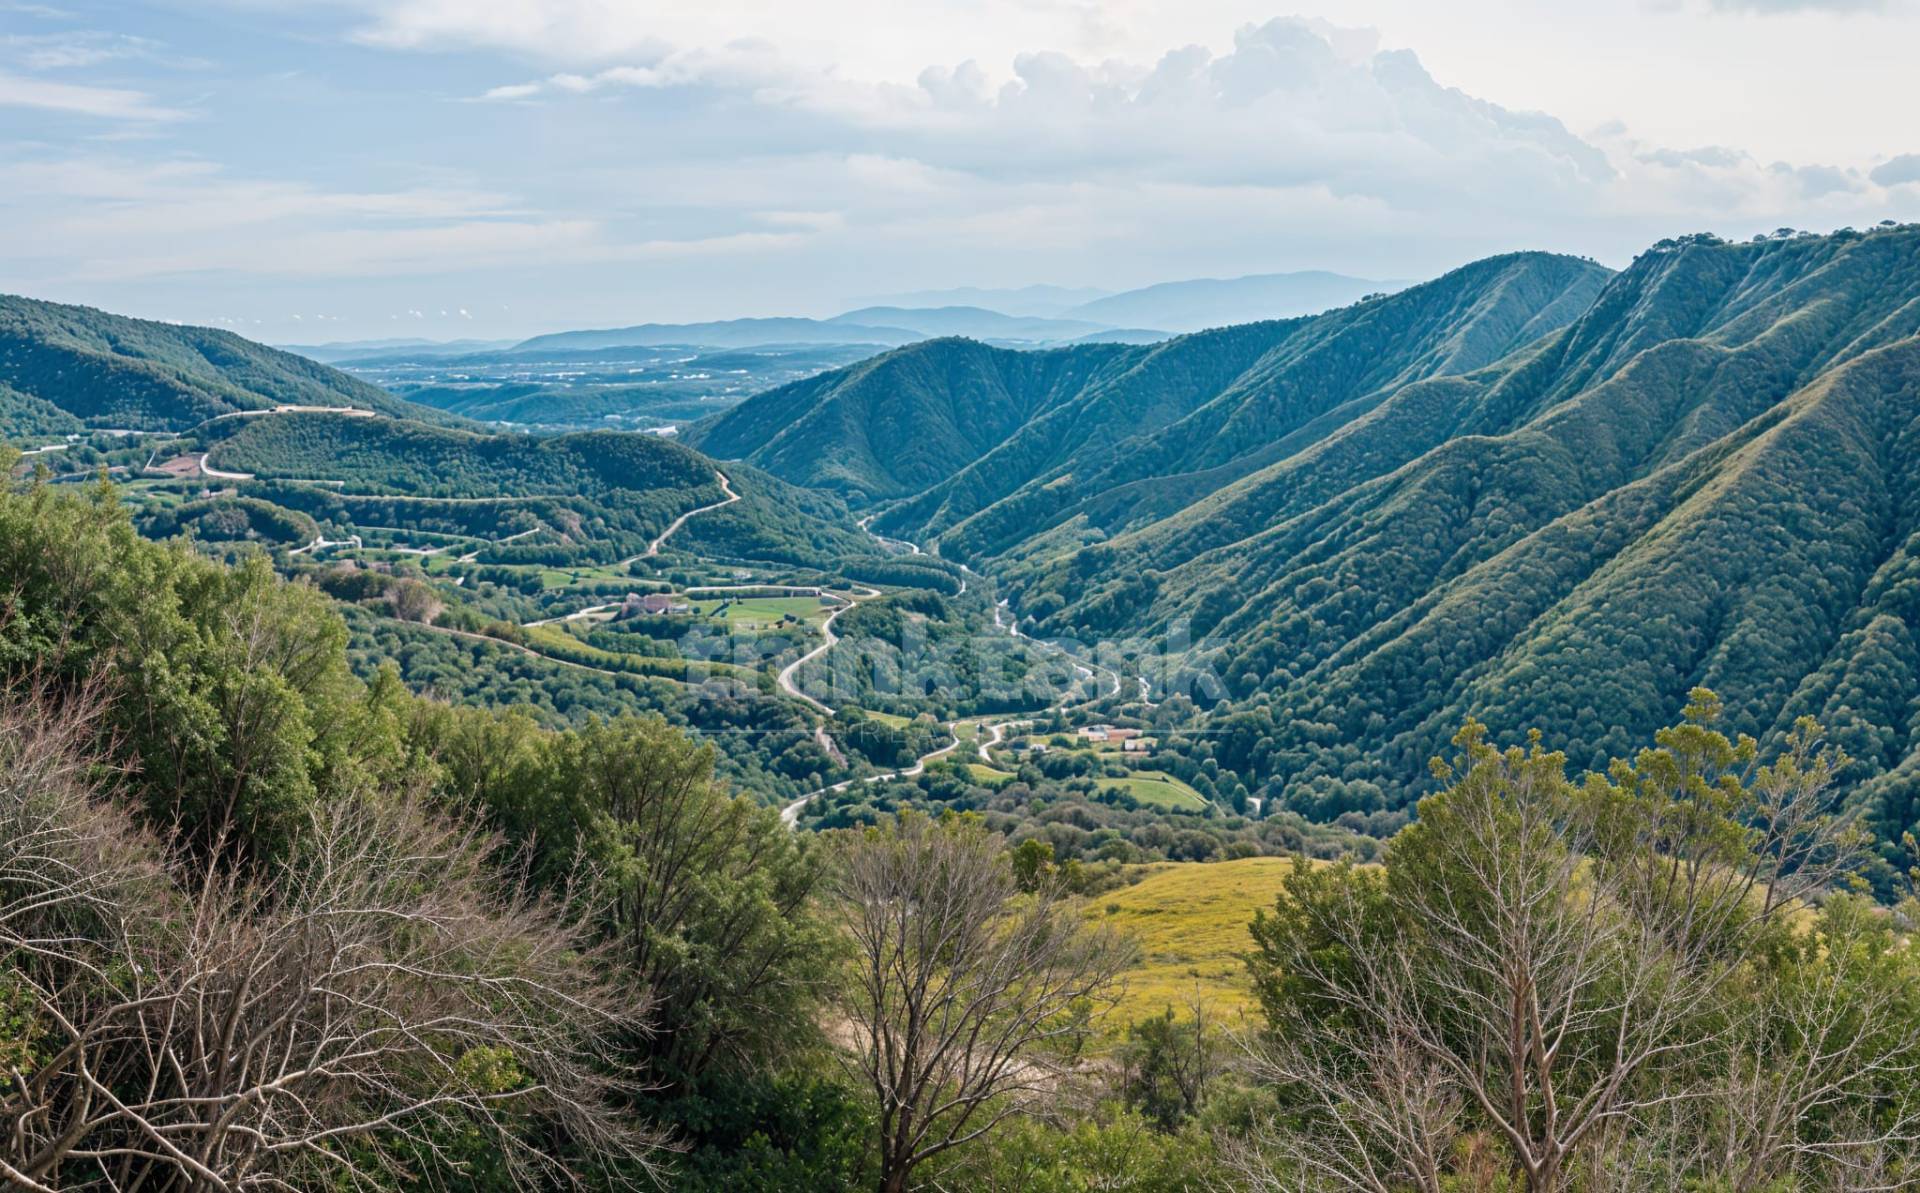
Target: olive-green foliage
<point>957,426</point>
<point>109,371</point>
<point>765,745</point>
<point>232,696</point>
<point>707,895</point>
<point>231,702</point>
<point>399,456</point>
<point>1566,986</point>
<point>1110,1149</point>
<point>233,519</point>
<point>1705,478</point>
<point>771,1134</point>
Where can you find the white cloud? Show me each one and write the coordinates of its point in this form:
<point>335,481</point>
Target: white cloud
<point>109,103</point>
<point>77,48</point>
<point>1775,7</point>
<point>1293,106</point>
<point>643,161</point>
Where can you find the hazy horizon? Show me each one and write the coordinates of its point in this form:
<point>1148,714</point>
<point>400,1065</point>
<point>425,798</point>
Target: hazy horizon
<point>347,169</point>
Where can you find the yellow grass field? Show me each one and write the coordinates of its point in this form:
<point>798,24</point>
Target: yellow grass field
<point>1190,920</point>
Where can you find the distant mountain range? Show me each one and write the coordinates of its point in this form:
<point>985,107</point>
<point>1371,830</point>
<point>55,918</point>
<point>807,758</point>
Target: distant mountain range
<point>1029,317</point>
<point>1221,302</point>
<point>976,322</point>
<point>1191,305</point>
<point>340,350</point>
<point>1045,302</point>
<point>726,333</point>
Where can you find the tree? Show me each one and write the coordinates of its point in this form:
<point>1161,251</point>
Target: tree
<point>967,998</point>
<point>1169,1063</point>
<point>706,898</point>
<point>1563,968</point>
<point>193,1026</point>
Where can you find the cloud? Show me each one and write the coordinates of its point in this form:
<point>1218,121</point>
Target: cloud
<point>512,91</point>
<point>107,103</point>
<point>1897,170</point>
<point>655,165</point>
<point>1776,7</point>
<point>1297,145</point>
<point>1291,103</point>
<point>107,219</point>
<point>88,47</point>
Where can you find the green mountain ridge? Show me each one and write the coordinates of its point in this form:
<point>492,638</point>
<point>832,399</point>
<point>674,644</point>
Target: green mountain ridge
<point>64,369</point>
<point>956,427</point>
<point>1529,491</point>
<point>1707,479</point>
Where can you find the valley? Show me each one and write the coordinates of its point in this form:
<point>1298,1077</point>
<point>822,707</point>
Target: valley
<point>1158,630</point>
<point>1292,552</point>
<point>990,597</point>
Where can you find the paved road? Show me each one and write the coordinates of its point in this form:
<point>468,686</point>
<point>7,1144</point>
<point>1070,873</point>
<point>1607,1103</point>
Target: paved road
<point>852,598</point>
<point>207,469</point>
<point>790,815</point>
<point>343,411</point>
<point>995,731</point>
<point>883,540</point>
<point>653,548</point>
<point>576,615</point>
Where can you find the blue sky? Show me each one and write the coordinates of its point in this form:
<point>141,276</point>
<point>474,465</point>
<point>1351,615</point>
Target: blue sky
<point>304,170</point>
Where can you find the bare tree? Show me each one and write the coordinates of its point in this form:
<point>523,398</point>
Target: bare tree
<point>1568,970</point>
<point>1383,1114</point>
<point>1830,1039</point>
<point>968,998</point>
<point>386,995</point>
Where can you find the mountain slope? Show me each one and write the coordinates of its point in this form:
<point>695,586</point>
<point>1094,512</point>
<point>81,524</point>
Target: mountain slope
<point>956,427</point>
<point>726,333</point>
<point>1313,375</point>
<point>1709,477</point>
<point>102,370</point>
<point>899,422</point>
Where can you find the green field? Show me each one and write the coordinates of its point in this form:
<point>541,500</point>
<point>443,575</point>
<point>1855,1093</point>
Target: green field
<point>750,612</point>
<point>1158,789</point>
<point>987,774</point>
<point>567,577</point>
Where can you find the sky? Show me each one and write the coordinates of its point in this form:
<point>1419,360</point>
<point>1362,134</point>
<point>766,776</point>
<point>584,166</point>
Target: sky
<point>311,170</point>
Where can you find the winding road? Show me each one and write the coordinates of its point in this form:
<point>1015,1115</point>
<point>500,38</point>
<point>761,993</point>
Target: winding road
<point>653,548</point>
<point>828,638</point>
<point>993,732</point>
<point>790,815</point>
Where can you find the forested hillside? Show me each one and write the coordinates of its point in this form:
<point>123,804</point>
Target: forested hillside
<point>956,426</point>
<point>67,368</point>
<point>1526,491</point>
<point>267,926</point>
<point>1707,478</point>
